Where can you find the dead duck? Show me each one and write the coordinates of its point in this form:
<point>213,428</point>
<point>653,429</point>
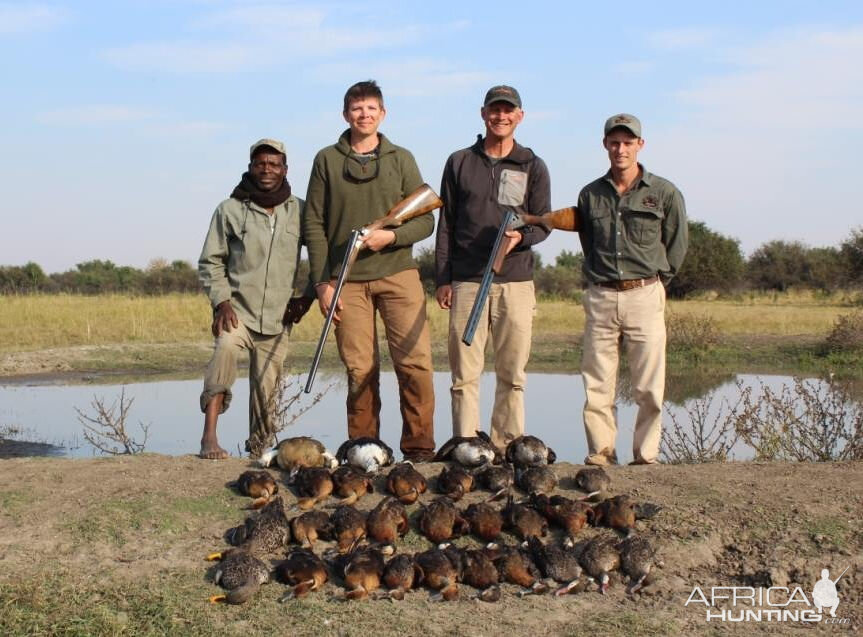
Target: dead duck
<point>349,527</point>
<point>598,558</point>
<point>312,485</point>
<point>268,532</point>
<point>303,571</point>
<point>473,451</point>
<point>260,485</point>
<point>301,451</point>
<point>362,572</point>
<point>486,522</point>
<point>515,565</point>
<point>540,479</point>
<point>571,515</point>
<point>479,571</point>
<point>454,482</point>
<point>441,521</point>
<point>441,571</point>
<point>406,483</point>
<point>401,574</point>
<point>240,573</point>
<point>366,454</point>
<point>593,481</point>
<point>557,563</point>
<point>496,478</point>
<point>524,521</point>
<point>617,513</point>
<point>310,526</point>
<point>637,557</point>
<point>529,451</point>
<point>350,485</point>
<point>388,521</point>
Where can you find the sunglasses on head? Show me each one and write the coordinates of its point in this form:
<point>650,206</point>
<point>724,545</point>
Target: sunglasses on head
<point>358,171</point>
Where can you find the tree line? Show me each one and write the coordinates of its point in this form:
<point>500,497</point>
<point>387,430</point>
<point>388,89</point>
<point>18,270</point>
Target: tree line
<point>714,262</point>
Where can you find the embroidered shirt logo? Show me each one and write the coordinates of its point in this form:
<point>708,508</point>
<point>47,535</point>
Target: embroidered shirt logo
<point>650,202</point>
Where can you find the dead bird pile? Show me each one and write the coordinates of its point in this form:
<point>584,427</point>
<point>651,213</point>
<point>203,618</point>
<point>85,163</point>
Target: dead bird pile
<point>520,529</point>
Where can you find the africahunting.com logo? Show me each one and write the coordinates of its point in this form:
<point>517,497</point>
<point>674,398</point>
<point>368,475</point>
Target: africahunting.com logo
<point>773,604</point>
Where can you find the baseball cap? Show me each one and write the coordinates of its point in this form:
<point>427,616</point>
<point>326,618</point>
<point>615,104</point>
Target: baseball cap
<point>272,143</point>
<point>502,93</point>
<point>623,120</point>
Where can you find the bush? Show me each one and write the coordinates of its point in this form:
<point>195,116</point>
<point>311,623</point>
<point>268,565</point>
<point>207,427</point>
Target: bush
<point>685,332</point>
<point>778,265</point>
<point>851,253</point>
<point>847,333</point>
<point>713,262</point>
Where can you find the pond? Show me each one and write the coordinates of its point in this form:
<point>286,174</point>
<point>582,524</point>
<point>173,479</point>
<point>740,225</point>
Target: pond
<point>46,413</point>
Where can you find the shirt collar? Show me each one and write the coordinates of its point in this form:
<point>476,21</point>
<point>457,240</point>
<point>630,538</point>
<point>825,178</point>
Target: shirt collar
<point>646,177</point>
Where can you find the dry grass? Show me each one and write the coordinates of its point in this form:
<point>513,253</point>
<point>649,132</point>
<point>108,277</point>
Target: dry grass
<point>64,320</point>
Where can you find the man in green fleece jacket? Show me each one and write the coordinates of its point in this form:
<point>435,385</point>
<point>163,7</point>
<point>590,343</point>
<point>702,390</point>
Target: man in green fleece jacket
<point>248,268</point>
<point>354,182</point>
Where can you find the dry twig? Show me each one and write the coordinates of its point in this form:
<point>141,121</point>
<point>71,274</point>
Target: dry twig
<point>106,429</point>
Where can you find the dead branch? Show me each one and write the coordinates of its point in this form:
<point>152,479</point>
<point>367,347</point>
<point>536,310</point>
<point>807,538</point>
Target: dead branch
<point>105,429</point>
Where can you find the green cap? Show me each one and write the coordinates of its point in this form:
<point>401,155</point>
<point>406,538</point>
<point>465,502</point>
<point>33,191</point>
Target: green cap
<point>623,120</point>
<point>275,144</point>
<point>502,93</point>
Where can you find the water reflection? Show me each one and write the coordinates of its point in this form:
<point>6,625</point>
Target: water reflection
<point>553,404</point>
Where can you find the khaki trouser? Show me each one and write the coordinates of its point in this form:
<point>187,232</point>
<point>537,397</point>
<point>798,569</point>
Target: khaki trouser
<point>637,318</point>
<point>508,317</point>
<point>401,301</point>
<point>267,356</point>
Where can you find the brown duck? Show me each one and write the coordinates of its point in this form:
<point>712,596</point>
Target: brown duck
<point>308,527</point>
<point>524,520</point>
<point>304,571</point>
<point>514,565</point>
<point>637,557</point>
<point>350,485</point>
<point>363,572</point>
<point>268,532</point>
<point>593,481</point>
<point>598,558</point>
<point>406,483</point>
<point>469,451</point>
<point>440,521</point>
<point>388,521</point>
<point>240,573</point>
<point>479,571</point>
<point>260,485</point>
<point>401,574</point>
<point>441,571</point>
<point>571,515</point>
<point>539,479</point>
<point>301,451</point>
<point>529,451</point>
<point>312,485</point>
<point>496,478</point>
<point>349,527</point>
<point>485,521</point>
<point>617,513</point>
<point>454,482</point>
<point>556,562</point>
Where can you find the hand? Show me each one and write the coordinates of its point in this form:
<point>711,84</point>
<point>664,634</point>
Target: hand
<point>377,240</point>
<point>325,298</point>
<point>513,238</point>
<point>297,308</point>
<point>444,296</point>
<point>224,319</point>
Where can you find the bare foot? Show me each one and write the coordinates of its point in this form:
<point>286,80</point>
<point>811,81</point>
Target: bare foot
<point>210,450</point>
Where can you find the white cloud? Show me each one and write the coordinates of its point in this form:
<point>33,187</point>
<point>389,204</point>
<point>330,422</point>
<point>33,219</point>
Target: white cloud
<point>183,57</point>
<point>25,18</point>
<point>682,38</point>
<point>93,114</point>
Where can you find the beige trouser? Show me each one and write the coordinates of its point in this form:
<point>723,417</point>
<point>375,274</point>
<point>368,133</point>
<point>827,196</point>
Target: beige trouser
<point>508,317</point>
<point>637,319</point>
<point>401,301</point>
<point>267,356</point>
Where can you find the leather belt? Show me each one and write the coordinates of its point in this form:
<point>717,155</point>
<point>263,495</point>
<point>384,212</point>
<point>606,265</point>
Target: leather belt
<point>628,284</point>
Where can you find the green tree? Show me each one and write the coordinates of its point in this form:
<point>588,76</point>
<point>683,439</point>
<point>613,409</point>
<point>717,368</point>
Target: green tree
<point>778,265</point>
<point>713,262</point>
<point>851,253</point>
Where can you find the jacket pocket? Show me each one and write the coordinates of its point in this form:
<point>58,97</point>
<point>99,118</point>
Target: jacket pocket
<point>644,225</point>
<point>512,188</point>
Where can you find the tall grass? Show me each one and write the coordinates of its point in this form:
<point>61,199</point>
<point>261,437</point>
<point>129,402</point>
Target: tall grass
<point>62,320</point>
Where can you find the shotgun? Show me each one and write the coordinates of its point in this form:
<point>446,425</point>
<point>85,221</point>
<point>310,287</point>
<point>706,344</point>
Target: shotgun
<point>563,219</point>
<point>419,202</point>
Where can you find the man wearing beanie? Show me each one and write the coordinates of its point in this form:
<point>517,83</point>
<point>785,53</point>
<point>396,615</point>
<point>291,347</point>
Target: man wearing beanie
<point>634,236</point>
<point>248,267</point>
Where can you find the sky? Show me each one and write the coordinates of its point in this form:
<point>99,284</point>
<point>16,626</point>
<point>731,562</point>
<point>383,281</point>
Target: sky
<point>126,123</point>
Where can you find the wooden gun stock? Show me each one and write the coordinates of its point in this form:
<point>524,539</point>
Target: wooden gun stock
<point>563,219</point>
<point>419,202</point>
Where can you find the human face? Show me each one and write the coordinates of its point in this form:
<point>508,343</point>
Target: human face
<point>364,116</point>
<point>623,148</point>
<point>268,170</point>
<point>501,119</point>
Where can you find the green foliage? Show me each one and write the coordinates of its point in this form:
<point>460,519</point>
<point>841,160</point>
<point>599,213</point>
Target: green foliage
<point>713,262</point>
<point>567,259</point>
<point>780,265</point>
<point>25,278</point>
<point>847,333</point>
<point>851,254</point>
<point>425,260</point>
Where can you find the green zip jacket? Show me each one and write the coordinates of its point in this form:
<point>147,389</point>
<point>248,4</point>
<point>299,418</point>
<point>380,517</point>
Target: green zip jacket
<point>254,267</point>
<point>636,235</point>
<point>336,204</point>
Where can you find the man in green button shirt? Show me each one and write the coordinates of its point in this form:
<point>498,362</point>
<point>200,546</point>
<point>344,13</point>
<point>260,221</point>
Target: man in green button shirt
<point>248,268</point>
<point>634,236</point>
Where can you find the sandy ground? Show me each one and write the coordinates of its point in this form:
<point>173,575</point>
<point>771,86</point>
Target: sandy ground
<point>116,545</point>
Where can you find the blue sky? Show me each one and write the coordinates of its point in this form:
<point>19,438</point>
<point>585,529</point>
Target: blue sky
<point>125,123</point>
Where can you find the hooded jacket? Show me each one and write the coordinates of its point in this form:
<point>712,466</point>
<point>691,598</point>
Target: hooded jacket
<point>475,191</point>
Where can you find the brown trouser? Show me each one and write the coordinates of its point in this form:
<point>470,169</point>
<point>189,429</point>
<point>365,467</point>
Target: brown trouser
<point>267,356</point>
<point>637,318</point>
<point>508,317</point>
<point>401,301</point>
